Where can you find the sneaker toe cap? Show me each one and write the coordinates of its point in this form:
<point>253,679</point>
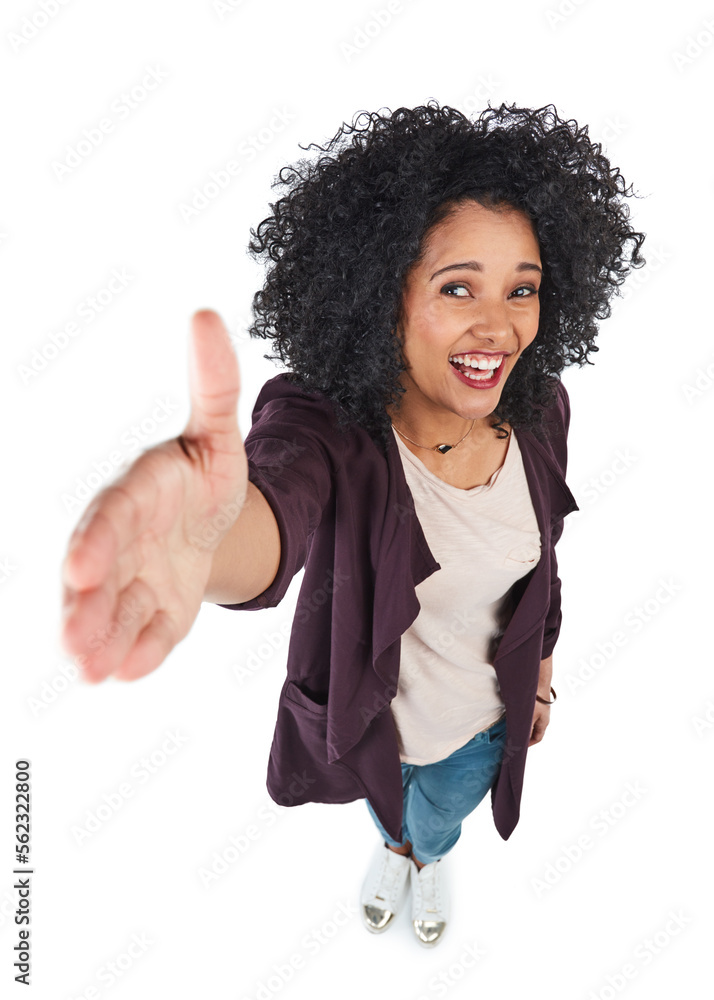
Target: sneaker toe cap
<point>376,919</point>
<point>429,931</point>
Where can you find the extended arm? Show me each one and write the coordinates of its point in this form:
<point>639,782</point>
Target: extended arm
<point>247,560</point>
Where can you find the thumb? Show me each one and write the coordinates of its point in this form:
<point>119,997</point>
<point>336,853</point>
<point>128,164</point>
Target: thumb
<point>214,382</point>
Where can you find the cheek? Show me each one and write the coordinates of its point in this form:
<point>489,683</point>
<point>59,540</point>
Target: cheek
<point>425,340</point>
<point>530,329</point>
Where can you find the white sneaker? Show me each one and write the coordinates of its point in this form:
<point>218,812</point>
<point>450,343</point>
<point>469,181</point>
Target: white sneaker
<point>430,902</point>
<point>383,888</point>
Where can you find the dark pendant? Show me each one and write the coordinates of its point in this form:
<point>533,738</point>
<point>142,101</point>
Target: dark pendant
<point>443,448</point>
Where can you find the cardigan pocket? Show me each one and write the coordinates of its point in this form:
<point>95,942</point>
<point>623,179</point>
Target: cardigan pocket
<point>298,770</point>
<point>310,702</point>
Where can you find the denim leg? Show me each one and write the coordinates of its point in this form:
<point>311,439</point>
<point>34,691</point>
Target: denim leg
<point>441,795</point>
<point>406,775</point>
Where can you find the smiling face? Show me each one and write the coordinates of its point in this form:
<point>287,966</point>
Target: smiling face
<point>474,296</point>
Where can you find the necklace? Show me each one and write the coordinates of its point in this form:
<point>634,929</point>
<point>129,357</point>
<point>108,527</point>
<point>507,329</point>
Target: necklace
<point>442,448</point>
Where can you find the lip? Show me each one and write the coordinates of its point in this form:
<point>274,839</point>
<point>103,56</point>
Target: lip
<point>483,383</point>
<point>489,354</point>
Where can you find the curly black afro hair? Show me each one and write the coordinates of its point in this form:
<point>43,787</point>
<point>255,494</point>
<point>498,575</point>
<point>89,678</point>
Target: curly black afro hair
<point>354,220</point>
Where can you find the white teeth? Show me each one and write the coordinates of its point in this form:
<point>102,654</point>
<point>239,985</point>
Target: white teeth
<point>484,364</point>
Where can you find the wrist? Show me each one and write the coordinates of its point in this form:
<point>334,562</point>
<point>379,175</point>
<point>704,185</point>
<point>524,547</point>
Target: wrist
<point>545,676</point>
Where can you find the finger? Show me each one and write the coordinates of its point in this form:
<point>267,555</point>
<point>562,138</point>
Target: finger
<point>83,613</point>
<point>151,648</point>
<point>540,728</point>
<point>105,648</point>
<point>129,564</point>
<point>111,523</point>
<point>214,383</point>
<point>121,572</point>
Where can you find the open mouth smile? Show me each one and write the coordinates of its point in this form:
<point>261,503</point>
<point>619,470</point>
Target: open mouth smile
<point>479,371</point>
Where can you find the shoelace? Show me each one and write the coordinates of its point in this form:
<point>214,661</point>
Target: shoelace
<point>389,879</point>
<point>428,894</point>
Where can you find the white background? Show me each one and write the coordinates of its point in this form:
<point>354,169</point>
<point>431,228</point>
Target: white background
<point>645,517</point>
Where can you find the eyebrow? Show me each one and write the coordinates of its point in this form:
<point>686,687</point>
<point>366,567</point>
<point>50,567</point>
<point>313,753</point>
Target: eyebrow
<point>473,265</point>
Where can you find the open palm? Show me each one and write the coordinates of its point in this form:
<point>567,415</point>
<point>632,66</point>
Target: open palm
<point>138,561</point>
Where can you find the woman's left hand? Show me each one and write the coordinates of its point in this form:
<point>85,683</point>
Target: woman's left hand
<point>541,718</point>
<point>541,712</point>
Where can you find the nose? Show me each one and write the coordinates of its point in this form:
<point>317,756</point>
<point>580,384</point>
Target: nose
<point>490,323</point>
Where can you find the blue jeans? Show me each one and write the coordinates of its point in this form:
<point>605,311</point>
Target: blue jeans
<point>437,797</point>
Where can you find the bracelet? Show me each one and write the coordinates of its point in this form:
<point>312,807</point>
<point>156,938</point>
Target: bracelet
<point>543,701</point>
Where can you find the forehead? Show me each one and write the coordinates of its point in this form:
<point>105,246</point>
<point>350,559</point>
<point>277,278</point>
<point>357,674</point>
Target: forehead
<point>471,224</point>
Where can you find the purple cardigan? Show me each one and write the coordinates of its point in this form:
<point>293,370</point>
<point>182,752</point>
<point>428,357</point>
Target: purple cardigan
<point>346,514</point>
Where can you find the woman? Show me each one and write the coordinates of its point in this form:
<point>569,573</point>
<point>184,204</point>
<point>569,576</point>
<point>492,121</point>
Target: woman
<point>429,278</point>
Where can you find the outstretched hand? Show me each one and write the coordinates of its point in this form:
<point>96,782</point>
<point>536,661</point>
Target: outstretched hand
<point>139,559</point>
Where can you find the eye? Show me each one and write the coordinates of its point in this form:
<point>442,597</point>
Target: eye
<point>458,291</point>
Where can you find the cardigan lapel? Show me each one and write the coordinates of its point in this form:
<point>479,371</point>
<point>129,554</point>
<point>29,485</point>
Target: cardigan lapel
<point>403,558</point>
<point>552,500</point>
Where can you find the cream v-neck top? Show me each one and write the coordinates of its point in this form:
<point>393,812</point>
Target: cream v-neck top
<point>485,539</point>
